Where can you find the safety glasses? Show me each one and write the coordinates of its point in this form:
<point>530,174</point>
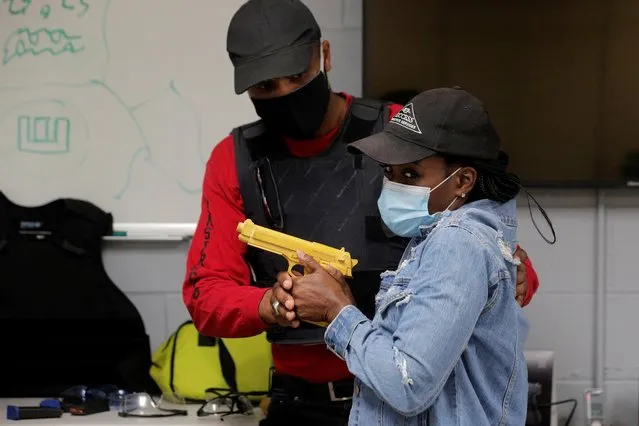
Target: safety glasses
<point>223,402</point>
<point>141,404</point>
<point>89,400</point>
<point>80,394</point>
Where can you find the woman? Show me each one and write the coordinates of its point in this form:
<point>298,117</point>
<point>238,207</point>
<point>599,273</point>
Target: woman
<point>446,344</point>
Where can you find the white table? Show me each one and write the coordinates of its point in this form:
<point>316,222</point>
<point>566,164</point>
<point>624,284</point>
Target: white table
<point>111,418</point>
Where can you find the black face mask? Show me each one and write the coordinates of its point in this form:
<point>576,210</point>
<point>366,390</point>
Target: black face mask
<point>299,114</point>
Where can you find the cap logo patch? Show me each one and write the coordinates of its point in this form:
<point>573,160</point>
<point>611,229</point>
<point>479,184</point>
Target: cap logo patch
<point>406,118</point>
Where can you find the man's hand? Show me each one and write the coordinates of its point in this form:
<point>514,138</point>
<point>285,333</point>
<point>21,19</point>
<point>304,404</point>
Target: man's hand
<point>284,315</point>
<point>522,284</point>
<point>320,294</point>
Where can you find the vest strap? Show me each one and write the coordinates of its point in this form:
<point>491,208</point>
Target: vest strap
<point>365,115</point>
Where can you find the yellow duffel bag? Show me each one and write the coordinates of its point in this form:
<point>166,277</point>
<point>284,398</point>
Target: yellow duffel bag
<point>188,363</point>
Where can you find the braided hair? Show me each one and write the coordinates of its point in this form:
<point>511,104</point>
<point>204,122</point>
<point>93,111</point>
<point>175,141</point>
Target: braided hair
<point>496,184</point>
<point>493,181</point>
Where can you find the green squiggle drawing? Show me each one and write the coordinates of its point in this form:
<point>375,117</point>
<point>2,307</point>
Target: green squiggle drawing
<point>45,11</point>
<point>56,42</point>
<point>83,3</point>
<point>18,10</point>
<point>146,149</point>
<point>22,9</point>
<point>143,150</point>
<point>172,88</point>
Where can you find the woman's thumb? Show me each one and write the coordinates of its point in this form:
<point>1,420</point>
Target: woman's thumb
<point>307,261</point>
<point>334,273</point>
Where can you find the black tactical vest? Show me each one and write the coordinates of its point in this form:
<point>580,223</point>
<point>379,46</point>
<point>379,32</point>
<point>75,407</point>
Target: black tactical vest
<point>329,199</point>
<point>63,321</point>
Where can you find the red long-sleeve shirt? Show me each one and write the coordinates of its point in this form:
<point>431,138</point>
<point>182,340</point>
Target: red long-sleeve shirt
<point>216,289</point>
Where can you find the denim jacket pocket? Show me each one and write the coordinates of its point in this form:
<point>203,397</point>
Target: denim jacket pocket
<point>387,279</point>
<point>395,295</point>
<point>495,290</point>
<point>493,295</point>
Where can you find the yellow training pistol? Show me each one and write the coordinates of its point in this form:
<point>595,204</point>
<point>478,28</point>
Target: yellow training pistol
<point>287,246</point>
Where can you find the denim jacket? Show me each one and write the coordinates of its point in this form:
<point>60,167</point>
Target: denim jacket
<point>446,344</point>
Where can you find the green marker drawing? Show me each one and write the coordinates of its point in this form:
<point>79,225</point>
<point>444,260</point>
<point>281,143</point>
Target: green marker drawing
<point>18,7</point>
<point>45,11</point>
<point>44,135</point>
<point>55,42</point>
<point>40,130</point>
<point>83,5</point>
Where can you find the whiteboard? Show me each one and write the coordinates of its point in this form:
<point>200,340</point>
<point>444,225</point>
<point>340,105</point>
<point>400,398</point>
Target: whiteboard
<point>115,102</point>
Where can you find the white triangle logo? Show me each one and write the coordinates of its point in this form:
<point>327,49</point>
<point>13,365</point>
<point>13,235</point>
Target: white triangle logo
<point>406,118</point>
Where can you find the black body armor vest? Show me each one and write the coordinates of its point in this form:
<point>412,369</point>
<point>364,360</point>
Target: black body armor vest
<point>330,199</point>
<point>63,321</point>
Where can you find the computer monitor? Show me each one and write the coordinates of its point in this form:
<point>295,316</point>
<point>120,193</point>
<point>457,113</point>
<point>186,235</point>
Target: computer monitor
<point>542,388</point>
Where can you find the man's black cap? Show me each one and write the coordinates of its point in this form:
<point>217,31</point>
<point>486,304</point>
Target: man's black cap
<point>270,38</point>
<point>438,121</point>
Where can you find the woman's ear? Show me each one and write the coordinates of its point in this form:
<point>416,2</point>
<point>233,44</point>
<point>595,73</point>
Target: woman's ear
<point>467,177</point>
<point>326,55</point>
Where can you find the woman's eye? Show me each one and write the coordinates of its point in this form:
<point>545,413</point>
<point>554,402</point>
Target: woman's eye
<point>297,77</point>
<point>410,174</point>
<point>387,170</point>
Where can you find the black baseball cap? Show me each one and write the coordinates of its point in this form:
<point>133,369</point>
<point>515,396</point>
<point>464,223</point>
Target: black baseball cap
<point>438,121</point>
<point>270,38</point>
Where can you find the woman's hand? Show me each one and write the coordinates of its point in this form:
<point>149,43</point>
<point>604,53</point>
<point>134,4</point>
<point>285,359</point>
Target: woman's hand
<point>320,294</point>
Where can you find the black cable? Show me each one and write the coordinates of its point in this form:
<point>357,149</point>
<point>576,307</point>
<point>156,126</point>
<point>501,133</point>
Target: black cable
<point>529,196</point>
<point>565,401</point>
<point>497,184</point>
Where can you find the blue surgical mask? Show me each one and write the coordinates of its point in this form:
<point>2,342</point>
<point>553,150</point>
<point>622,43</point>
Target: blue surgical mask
<point>404,208</point>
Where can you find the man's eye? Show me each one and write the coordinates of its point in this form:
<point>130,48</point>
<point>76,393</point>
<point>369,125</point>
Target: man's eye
<point>297,76</point>
<point>265,85</point>
<point>387,170</point>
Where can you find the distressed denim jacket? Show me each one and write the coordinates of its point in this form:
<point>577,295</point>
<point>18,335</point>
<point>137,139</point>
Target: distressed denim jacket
<point>446,344</point>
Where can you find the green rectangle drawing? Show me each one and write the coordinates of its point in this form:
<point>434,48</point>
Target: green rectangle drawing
<point>41,129</point>
<point>44,135</point>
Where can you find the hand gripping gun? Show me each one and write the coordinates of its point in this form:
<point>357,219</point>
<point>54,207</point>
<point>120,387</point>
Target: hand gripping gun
<point>287,246</point>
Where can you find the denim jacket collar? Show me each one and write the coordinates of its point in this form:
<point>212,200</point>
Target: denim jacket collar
<point>505,211</point>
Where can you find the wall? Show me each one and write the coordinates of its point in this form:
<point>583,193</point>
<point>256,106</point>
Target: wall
<point>561,315</point>
<point>557,76</point>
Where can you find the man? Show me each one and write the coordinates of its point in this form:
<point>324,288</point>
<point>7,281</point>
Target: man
<point>291,171</point>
